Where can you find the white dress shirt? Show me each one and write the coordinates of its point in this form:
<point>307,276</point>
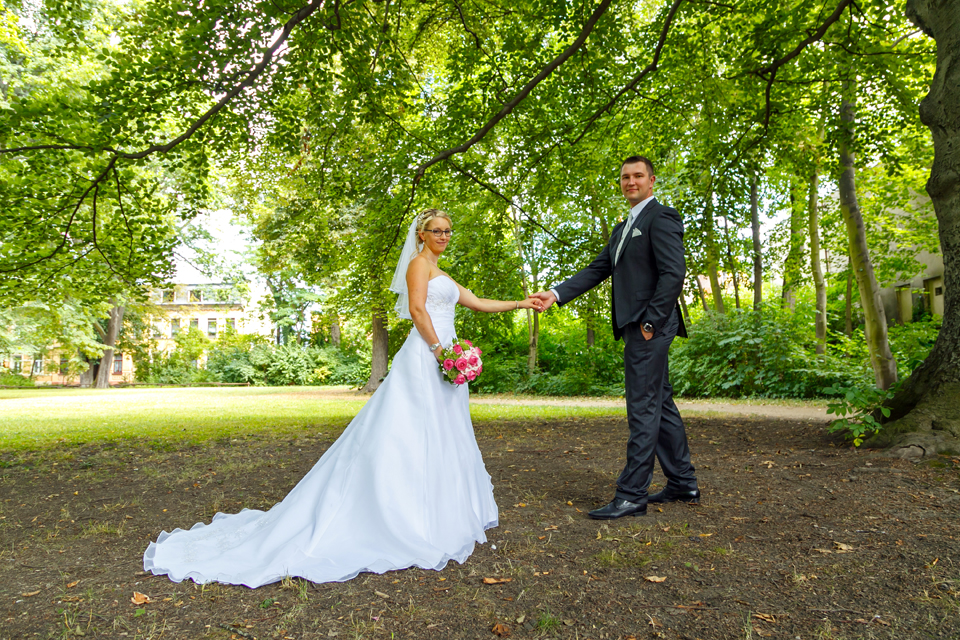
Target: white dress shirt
<point>631,218</point>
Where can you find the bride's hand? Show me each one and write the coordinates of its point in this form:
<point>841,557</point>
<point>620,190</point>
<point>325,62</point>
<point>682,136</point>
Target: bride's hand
<point>531,303</point>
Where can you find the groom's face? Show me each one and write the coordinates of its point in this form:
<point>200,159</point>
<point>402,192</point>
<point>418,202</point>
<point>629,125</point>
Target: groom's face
<point>636,182</point>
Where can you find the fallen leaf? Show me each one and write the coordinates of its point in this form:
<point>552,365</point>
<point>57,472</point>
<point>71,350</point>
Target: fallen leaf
<point>73,584</point>
<point>496,580</point>
<point>705,535</point>
<point>769,463</point>
<point>382,595</point>
<point>824,550</point>
<point>843,548</point>
<point>552,527</point>
<point>655,578</point>
<point>653,622</point>
<point>569,622</point>
<point>139,598</point>
<point>30,594</point>
<point>522,617</point>
<point>766,617</point>
<point>599,536</point>
<point>501,630</point>
<point>569,503</point>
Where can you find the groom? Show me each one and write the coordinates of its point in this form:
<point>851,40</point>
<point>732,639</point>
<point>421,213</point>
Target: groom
<point>645,259</point>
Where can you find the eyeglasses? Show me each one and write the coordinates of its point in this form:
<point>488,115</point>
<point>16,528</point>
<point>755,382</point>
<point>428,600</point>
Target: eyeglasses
<point>439,232</point>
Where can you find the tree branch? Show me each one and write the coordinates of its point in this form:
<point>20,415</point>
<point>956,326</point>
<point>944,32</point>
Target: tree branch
<point>523,93</point>
<point>640,76</point>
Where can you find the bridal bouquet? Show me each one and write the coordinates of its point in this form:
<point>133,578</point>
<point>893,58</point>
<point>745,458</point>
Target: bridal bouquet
<point>461,362</point>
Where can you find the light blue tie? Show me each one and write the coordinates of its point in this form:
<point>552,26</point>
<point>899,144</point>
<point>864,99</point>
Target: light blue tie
<point>623,237</point>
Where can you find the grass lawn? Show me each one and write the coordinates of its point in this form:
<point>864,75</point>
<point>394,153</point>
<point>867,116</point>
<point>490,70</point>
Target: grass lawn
<point>40,418</point>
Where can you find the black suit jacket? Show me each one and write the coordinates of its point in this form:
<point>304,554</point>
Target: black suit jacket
<point>648,277</point>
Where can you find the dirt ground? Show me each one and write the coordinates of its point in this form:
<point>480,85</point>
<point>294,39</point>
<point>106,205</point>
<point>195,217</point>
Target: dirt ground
<point>797,537</point>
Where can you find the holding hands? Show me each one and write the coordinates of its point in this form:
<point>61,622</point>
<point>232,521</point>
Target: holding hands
<point>544,298</point>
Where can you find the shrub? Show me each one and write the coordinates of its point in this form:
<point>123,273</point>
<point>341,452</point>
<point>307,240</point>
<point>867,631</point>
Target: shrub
<point>8,379</point>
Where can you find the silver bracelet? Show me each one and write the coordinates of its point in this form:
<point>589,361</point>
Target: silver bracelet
<point>518,306</point>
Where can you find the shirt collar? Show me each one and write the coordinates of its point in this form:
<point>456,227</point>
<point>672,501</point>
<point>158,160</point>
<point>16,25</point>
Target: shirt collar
<point>635,211</point>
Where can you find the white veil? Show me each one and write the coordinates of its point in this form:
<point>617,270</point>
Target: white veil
<point>399,283</point>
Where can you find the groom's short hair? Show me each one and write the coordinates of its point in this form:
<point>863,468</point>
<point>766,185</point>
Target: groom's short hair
<point>635,159</point>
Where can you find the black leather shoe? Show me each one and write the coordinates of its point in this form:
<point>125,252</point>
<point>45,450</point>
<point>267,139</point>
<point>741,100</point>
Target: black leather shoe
<point>690,496</point>
<point>618,509</point>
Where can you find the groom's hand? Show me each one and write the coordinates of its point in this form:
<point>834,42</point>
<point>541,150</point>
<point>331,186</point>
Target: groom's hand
<point>546,299</point>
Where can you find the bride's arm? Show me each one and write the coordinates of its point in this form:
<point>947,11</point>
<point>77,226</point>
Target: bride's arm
<point>470,301</point>
<point>418,275</point>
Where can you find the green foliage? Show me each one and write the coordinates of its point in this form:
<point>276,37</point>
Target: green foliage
<point>182,364</point>
<point>9,379</point>
<point>767,353</point>
<point>858,408</point>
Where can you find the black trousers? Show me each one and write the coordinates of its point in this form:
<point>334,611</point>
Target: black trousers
<point>656,429</point>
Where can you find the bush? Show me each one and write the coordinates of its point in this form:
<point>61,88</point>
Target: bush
<point>766,353</point>
<point>8,379</point>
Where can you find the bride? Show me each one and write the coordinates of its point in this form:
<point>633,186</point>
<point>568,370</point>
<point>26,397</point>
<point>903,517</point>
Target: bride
<point>403,486</point>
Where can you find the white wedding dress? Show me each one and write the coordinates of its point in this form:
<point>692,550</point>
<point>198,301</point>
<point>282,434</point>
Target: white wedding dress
<point>403,486</point>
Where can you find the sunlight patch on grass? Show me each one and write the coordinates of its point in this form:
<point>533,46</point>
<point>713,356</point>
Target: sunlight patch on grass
<point>41,418</point>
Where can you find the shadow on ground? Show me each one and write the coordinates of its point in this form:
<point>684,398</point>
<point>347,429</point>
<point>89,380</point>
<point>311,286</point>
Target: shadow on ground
<point>797,537</point>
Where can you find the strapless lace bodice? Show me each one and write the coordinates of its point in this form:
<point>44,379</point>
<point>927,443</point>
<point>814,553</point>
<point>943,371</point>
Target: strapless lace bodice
<point>442,296</point>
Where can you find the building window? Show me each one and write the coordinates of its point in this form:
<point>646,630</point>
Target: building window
<point>166,296</point>
<point>195,323</point>
<point>196,295</point>
<point>37,366</point>
<point>938,291</point>
<point>174,327</point>
<point>232,324</point>
<point>18,364</point>
<point>63,365</point>
<point>212,328</point>
<point>118,363</point>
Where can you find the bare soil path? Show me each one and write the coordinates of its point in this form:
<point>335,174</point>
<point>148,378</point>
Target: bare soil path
<point>797,537</point>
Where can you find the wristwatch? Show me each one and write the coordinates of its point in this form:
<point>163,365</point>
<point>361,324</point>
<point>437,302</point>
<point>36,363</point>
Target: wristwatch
<point>435,346</point>
<point>647,327</point>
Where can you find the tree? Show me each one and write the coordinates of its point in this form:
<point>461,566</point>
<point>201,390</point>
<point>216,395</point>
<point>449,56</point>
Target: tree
<point>925,412</point>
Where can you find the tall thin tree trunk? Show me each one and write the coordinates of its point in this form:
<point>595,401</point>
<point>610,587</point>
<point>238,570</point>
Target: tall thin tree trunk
<point>335,332</point>
<point>378,362</point>
<point>702,295</point>
<point>820,286</point>
<point>848,326</point>
<point>109,337</point>
<point>792,266</point>
<point>713,254</point>
<point>757,250</point>
<point>731,264</point>
<point>875,319</point>
<point>684,310</point>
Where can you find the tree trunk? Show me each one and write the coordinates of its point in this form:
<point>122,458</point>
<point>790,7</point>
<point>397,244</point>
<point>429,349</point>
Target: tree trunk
<point>875,320</point>
<point>848,327</point>
<point>792,266</point>
<point>684,310</point>
<point>819,285</point>
<point>713,254</point>
<point>109,337</point>
<point>731,264</point>
<point>378,363</point>
<point>702,295</point>
<point>534,343</point>
<point>335,332</point>
<point>757,250</point>
<point>926,410</point>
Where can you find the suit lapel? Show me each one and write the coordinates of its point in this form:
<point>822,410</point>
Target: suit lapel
<point>636,223</point>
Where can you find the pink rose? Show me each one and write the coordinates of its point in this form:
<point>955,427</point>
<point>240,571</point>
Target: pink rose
<point>469,344</point>
<point>479,369</point>
<point>457,349</point>
<point>448,364</point>
<point>473,359</point>
<point>460,379</point>
<point>479,353</point>
<point>471,375</point>
<point>461,364</point>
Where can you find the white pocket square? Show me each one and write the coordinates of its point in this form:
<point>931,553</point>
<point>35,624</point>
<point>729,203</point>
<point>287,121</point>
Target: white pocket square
<point>636,232</point>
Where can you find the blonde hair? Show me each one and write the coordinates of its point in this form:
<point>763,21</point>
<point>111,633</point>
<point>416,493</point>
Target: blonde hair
<point>424,217</point>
